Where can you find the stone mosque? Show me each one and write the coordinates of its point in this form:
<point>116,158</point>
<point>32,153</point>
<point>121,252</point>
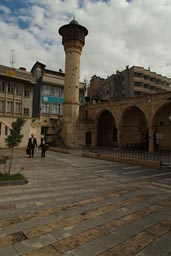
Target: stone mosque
<point>140,122</point>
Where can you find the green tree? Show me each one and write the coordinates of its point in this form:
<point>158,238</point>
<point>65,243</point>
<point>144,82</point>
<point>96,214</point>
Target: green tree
<point>85,85</point>
<point>15,138</point>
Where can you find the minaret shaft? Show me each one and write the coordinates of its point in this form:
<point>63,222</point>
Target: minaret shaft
<point>72,72</point>
<point>73,39</point>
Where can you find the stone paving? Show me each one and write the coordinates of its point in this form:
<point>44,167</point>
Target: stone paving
<point>85,207</point>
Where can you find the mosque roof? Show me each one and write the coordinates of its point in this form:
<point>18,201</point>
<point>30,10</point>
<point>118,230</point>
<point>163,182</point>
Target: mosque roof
<point>74,22</point>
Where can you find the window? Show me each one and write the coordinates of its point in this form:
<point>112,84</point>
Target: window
<point>2,106</point>
<point>26,93</point>
<point>146,77</point>
<point>46,90</point>
<point>61,110</point>
<point>56,109</point>
<point>10,87</point>
<point>46,108</point>
<point>2,86</point>
<point>58,91</point>
<point>136,74</point>
<point>137,83</point>
<point>137,93</point>
<point>9,106</point>
<point>26,111</point>
<point>18,89</point>
<point>18,108</point>
<point>6,130</point>
<point>146,86</point>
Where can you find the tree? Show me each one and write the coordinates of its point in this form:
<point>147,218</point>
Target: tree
<point>85,84</point>
<point>15,138</point>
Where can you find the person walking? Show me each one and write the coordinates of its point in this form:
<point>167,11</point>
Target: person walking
<point>32,143</point>
<point>43,147</point>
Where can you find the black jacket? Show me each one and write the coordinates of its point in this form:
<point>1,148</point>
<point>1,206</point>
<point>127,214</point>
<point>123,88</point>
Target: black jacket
<point>32,144</point>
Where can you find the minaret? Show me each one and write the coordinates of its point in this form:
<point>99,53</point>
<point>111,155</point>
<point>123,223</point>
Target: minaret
<point>73,39</point>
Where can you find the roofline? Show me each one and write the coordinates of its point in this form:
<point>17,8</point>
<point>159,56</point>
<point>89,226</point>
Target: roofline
<point>37,63</point>
<point>54,72</point>
<point>16,78</point>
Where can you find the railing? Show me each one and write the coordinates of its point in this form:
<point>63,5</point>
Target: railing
<point>163,156</point>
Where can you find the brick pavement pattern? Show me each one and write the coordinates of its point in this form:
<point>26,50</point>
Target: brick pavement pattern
<point>85,207</point>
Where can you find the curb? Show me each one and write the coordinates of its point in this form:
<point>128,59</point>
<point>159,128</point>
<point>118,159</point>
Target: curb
<point>60,150</point>
<point>13,182</point>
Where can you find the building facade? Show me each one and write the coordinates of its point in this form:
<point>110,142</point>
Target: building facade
<point>134,81</point>
<point>16,94</point>
<point>38,97</point>
<point>93,89</point>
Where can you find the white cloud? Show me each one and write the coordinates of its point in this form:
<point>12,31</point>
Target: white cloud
<point>4,9</point>
<point>120,34</point>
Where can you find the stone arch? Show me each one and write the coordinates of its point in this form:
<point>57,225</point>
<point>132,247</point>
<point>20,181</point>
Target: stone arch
<point>106,129</point>
<point>162,127</point>
<point>134,128</point>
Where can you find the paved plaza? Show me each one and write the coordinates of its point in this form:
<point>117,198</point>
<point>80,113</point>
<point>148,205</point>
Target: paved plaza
<point>85,207</point>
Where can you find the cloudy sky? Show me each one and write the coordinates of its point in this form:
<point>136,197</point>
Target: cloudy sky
<point>121,32</point>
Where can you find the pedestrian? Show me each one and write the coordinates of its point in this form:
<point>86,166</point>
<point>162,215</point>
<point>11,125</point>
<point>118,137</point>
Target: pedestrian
<point>32,143</point>
<point>43,147</point>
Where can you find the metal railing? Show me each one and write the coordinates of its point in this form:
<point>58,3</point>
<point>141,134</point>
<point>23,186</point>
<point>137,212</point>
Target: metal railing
<point>163,156</point>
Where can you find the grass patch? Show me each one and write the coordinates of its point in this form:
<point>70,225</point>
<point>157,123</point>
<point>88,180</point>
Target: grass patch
<point>16,176</point>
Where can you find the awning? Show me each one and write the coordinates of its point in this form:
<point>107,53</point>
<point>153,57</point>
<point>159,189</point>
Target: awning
<point>6,124</point>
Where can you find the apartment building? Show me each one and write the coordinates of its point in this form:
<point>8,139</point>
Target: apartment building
<point>16,87</point>
<point>93,89</point>
<point>134,81</point>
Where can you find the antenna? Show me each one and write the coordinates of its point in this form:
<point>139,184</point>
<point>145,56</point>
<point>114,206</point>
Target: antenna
<point>12,58</point>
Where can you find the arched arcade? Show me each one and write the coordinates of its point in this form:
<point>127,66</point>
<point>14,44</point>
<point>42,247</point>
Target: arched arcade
<point>139,123</point>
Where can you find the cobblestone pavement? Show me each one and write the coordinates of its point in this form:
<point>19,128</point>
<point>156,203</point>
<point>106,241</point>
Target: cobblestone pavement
<point>85,207</point>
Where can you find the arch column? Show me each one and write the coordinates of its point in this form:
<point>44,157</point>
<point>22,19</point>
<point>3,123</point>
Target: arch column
<point>94,139</point>
<point>151,139</point>
<point>119,137</point>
